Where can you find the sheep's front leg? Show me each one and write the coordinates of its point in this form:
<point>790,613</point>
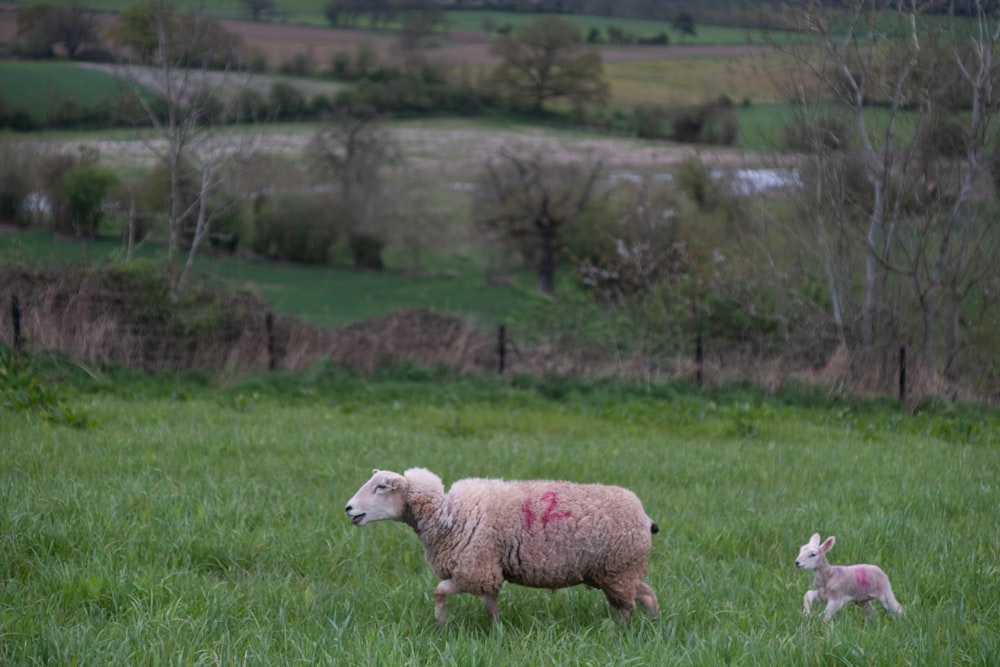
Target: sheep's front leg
<point>807,601</point>
<point>444,589</point>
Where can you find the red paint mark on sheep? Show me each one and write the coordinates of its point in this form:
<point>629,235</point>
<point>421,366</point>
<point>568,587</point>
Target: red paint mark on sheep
<point>551,500</point>
<point>861,576</point>
<point>529,515</point>
<point>551,514</point>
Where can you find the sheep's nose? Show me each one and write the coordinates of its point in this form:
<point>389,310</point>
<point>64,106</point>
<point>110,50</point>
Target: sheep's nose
<point>347,509</point>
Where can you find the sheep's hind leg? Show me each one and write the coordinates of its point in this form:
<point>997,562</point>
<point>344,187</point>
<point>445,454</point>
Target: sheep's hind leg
<point>645,596</point>
<point>621,598</point>
<point>441,593</point>
<point>491,607</point>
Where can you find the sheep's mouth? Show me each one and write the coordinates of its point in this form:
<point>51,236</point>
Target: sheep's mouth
<point>356,520</point>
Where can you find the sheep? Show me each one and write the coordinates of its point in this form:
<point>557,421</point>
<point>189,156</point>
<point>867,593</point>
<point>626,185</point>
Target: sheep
<point>839,585</point>
<point>542,534</point>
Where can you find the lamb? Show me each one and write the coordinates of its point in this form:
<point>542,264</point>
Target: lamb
<point>839,585</point>
<point>543,534</point>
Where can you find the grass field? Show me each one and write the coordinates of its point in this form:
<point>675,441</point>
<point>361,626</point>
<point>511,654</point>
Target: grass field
<point>42,88</point>
<point>326,296</point>
<point>193,524</point>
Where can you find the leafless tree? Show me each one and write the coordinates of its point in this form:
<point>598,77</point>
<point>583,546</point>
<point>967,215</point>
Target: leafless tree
<point>895,201</point>
<point>526,200</point>
<point>198,75</point>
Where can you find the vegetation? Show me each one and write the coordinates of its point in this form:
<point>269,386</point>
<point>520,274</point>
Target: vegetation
<point>547,59</point>
<point>189,522</point>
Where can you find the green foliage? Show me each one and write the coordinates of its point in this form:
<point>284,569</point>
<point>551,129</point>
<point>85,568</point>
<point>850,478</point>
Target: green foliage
<point>84,190</point>
<point>296,227</point>
<point>23,387</point>
<point>287,102</point>
<point>547,59</point>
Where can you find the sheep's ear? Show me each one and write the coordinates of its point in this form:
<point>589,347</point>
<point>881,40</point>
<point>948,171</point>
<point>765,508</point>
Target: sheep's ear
<point>829,543</point>
<point>374,471</point>
<point>814,539</point>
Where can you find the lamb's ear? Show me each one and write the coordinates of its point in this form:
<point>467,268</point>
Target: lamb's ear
<point>829,543</point>
<point>814,539</point>
<point>395,483</point>
<point>374,471</point>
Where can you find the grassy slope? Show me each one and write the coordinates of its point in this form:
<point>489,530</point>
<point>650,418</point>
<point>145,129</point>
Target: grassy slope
<point>328,296</point>
<point>40,88</point>
<point>206,526</point>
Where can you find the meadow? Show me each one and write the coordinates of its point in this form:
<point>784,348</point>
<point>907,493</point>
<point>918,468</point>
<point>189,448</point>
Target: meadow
<point>194,523</point>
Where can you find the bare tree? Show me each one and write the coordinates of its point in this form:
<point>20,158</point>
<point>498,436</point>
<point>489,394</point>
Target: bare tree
<point>197,73</point>
<point>895,201</point>
<point>527,200</point>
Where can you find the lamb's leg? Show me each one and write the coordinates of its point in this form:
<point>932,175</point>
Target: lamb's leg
<point>833,606</point>
<point>444,589</point>
<point>807,601</point>
<point>645,596</point>
<point>491,607</point>
<point>890,602</point>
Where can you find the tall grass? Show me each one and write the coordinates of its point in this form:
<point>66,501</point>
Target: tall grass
<point>194,524</point>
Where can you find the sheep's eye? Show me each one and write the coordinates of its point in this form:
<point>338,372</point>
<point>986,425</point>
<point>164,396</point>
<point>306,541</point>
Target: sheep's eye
<point>812,554</point>
<point>380,487</point>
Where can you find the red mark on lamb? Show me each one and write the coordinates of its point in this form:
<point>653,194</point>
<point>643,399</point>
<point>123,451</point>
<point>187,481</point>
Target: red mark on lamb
<point>549,515</point>
<point>862,577</point>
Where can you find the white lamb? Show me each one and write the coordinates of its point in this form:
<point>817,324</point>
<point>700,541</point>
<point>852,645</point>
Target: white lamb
<point>839,585</point>
<point>544,534</point>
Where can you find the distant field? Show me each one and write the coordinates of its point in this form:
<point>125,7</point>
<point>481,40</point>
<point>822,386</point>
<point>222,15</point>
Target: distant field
<point>41,88</point>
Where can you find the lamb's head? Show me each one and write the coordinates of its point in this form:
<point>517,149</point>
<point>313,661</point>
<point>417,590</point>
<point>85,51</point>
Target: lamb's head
<point>812,552</point>
<point>380,498</point>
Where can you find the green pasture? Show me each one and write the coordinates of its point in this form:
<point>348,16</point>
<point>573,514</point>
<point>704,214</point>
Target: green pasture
<point>196,524</point>
<point>42,88</point>
<point>326,296</point>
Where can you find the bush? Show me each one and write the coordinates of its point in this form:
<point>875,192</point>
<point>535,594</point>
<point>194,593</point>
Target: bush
<point>15,183</point>
<point>295,228</point>
<point>84,189</point>
<point>706,124</point>
<point>287,102</point>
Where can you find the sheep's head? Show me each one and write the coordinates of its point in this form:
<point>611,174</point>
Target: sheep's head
<point>379,499</point>
<point>812,552</point>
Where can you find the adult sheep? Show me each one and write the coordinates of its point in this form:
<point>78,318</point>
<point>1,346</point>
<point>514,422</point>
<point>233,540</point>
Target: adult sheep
<point>544,534</point>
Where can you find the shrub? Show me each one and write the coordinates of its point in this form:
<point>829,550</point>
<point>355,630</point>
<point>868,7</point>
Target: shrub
<point>295,227</point>
<point>366,250</point>
<point>287,102</point>
<point>706,124</point>
<point>84,189</point>
<point>651,121</point>
<point>15,182</point>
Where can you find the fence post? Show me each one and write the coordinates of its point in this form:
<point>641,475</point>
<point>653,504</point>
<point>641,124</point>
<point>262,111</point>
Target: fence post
<point>15,312</point>
<point>272,359</point>
<point>699,358</point>
<point>902,373</point>
<point>501,349</point>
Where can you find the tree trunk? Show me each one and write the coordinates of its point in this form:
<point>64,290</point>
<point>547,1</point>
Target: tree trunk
<point>547,260</point>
